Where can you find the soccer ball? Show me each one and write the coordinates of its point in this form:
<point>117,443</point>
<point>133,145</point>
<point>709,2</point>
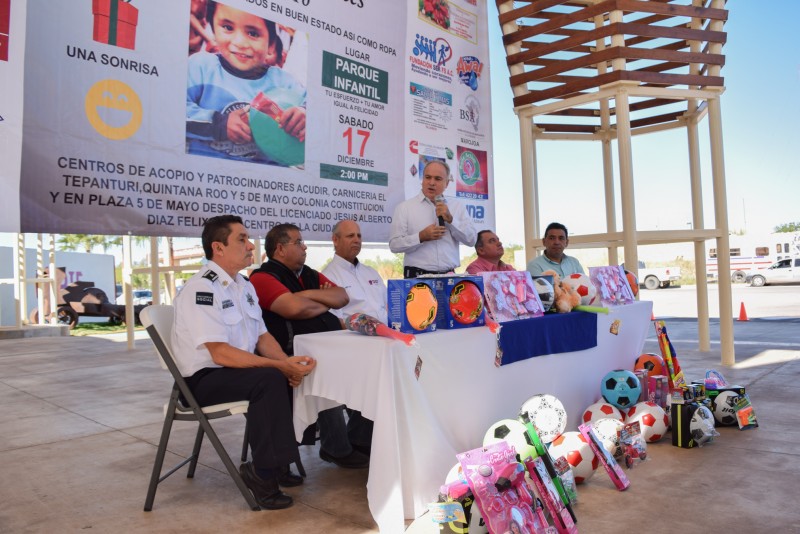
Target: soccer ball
<point>725,407</point>
<point>621,388</point>
<point>513,432</point>
<point>583,285</point>
<point>701,427</point>
<point>608,431</point>
<point>652,362</point>
<point>573,446</point>
<point>545,291</point>
<point>601,410</point>
<point>652,420</point>
<point>547,415</point>
<point>466,302</point>
<point>421,306</point>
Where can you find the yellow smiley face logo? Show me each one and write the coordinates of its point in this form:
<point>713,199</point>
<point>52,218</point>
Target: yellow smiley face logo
<point>113,109</point>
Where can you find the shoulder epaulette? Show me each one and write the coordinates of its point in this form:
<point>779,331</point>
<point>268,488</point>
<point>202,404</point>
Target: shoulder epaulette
<point>211,275</point>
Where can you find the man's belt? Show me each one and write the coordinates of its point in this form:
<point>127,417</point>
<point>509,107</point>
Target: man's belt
<point>414,272</point>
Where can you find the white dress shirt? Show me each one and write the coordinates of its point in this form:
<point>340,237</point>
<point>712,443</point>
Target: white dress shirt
<point>416,213</point>
<point>364,286</point>
<point>213,307</point>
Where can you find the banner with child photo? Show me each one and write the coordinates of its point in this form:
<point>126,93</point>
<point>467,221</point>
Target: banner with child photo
<point>148,117</point>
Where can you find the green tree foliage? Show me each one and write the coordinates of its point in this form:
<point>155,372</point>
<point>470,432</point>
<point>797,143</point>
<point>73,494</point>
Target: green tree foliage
<point>87,242</point>
<point>788,227</point>
<point>388,268</point>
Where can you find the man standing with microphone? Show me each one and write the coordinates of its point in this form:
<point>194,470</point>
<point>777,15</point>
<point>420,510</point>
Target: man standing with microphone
<point>427,228</point>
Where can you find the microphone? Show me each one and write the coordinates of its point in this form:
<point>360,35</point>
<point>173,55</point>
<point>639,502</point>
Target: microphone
<point>437,199</point>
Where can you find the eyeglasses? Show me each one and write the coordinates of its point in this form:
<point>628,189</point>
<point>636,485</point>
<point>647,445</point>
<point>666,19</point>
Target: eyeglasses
<point>299,243</point>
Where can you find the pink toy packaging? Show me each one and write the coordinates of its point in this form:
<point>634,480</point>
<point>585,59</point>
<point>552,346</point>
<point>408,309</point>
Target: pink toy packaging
<point>550,496</point>
<point>618,476</point>
<point>498,485</point>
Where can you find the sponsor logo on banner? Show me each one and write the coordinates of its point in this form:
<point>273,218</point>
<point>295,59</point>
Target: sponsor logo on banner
<point>469,70</point>
<point>429,94</point>
<point>471,112</point>
<point>413,146</point>
<point>472,176</point>
<point>430,56</point>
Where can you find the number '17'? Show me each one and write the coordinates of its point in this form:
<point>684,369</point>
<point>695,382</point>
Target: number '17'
<point>348,133</point>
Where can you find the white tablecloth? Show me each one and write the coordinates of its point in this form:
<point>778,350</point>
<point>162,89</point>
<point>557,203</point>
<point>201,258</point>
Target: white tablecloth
<point>421,424</point>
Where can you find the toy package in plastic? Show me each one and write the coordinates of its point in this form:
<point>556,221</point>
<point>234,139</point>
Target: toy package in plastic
<point>615,472</point>
<point>745,415</point>
<point>567,479</point>
<point>632,444</point>
<point>498,485</point>
<point>551,498</point>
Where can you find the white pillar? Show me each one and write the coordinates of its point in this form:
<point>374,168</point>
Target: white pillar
<point>627,197</point>
<point>127,288</point>
<point>530,186</point>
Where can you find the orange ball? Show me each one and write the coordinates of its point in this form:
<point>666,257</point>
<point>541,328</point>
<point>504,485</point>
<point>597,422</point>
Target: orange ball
<point>421,306</point>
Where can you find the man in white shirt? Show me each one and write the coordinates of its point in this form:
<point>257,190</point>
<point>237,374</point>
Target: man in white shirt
<point>367,293</point>
<point>428,229</point>
<point>224,351</point>
<point>363,284</point>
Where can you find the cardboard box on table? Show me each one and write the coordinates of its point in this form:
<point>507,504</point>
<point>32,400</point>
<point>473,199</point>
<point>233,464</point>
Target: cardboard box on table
<point>397,290</point>
<point>444,289</point>
<point>115,23</point>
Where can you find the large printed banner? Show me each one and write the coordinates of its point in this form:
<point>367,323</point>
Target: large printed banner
<point>147,117</point>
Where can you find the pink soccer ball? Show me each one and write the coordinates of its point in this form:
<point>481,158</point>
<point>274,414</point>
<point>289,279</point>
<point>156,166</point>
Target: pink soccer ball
<point>583,285</point>
<point>652,420</point>
<point>573,446</point>
<point>601,410</point>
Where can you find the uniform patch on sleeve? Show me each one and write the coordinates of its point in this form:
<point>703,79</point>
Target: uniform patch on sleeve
<point>203,298</point>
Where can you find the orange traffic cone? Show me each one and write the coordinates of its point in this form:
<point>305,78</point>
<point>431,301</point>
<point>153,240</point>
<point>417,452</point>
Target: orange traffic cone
<point>652,316</point>
<point>742,313</point>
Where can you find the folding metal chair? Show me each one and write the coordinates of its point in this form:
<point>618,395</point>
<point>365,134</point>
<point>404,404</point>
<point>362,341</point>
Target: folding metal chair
<point>158,320</point>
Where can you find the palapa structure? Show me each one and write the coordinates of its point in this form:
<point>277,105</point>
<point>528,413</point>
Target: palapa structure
<point>604,71</point>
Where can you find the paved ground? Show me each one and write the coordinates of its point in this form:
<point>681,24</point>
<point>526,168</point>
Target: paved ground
<point>81,417</point>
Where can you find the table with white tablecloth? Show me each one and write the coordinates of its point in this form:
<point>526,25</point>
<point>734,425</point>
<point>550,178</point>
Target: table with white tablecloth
<point>422,422</point>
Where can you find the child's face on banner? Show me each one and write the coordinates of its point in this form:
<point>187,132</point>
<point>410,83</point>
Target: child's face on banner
<point>243,39</point>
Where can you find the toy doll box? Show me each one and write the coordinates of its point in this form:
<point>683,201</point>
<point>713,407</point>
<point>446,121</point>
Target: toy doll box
<point>412,305</point>
<point>460,306</point>
<point>115,23</point>
<point>511,296</point>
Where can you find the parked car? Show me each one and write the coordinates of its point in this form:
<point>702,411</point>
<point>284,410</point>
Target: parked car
<point>655,277</point>
<point>141,297</point>
<point>786,271</point>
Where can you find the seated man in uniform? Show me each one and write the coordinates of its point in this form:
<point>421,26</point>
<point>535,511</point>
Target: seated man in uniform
<point>221,346</point>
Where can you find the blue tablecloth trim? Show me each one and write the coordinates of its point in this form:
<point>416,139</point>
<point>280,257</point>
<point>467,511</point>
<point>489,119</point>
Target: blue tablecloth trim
<point>551,334</point>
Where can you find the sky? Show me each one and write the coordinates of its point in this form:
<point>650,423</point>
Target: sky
<point>762,149</point>
<point>760,113</point>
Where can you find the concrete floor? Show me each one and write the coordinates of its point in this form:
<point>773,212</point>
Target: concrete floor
<point>81,417</point>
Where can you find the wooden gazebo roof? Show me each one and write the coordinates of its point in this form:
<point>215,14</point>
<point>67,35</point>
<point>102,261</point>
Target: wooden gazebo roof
<point>559,51</point>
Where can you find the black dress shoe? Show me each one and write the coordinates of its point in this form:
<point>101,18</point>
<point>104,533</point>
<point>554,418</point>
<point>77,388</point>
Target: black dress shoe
<point>354,460</point>
<point>287,479</point>
<point>267,493</point>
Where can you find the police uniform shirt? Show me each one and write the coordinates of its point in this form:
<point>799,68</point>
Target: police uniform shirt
<point>364,287</point>
<point>213,307</point>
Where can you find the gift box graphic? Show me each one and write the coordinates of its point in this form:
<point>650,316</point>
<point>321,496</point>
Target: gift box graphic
<point>115,22</point>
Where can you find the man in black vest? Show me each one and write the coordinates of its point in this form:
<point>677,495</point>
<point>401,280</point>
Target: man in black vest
<point>295,299</point>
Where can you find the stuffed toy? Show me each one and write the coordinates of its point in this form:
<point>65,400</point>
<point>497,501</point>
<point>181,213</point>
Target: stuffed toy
<point>566,297</point>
